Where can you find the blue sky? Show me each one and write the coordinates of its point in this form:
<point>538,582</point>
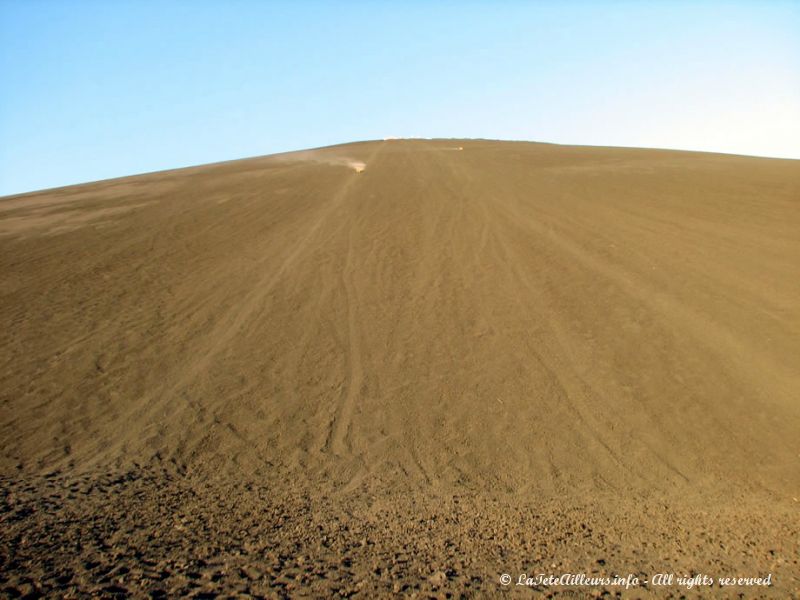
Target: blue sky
<point>92,90</point>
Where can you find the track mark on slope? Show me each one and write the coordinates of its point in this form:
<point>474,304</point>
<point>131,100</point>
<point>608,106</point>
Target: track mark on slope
<point>547,357</point>
<point>343,420</point>
<point>230,326</point>
<point>339,439</point>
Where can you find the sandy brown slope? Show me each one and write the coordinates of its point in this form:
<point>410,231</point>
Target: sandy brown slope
<point>583,334</point>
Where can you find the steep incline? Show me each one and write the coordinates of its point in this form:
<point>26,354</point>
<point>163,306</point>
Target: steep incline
<point>403,367</point>
<point>515,316</point>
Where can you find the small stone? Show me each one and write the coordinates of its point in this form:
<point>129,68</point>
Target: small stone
<point>250,573</point>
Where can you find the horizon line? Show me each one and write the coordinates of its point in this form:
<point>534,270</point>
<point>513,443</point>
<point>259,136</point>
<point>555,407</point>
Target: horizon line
<point>385,139</point>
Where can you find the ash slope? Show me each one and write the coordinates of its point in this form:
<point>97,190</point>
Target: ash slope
<point>458,315</point>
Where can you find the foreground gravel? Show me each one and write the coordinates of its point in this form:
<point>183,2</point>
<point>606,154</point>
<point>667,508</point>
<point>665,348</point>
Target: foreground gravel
<point>150,533</point>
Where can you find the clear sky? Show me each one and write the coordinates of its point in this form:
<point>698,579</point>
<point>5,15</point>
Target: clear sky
<point>91,90</point>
